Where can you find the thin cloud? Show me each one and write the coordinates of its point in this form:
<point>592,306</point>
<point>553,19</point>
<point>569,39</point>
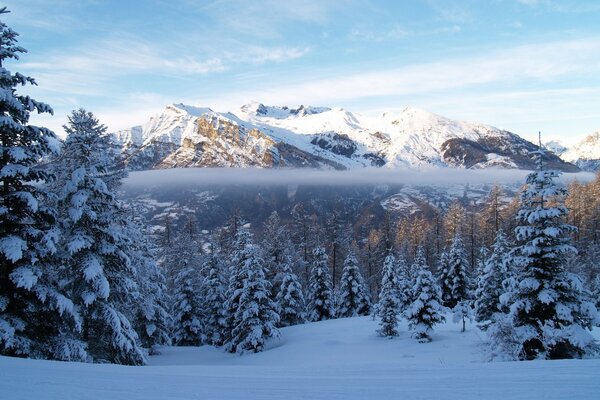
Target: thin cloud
<point>531,62</point>
<point>356,177</point>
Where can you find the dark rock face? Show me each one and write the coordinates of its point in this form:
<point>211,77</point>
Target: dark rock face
<point>515,152</point>
<point>336,143</point>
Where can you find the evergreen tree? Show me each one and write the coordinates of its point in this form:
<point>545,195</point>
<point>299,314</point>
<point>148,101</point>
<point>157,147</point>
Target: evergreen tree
<point>152,317</point>
<point>320,294</point>
<point>489,284</point>
<point>354,298</point>
<point>405,286</point>
<point>214,301</point>
<point>274,245</point>
<point>549,309</point>
<point>289,299</point>
<point>388,307</point>
<point>254,317</point>
<point>186,302</point>
<point>35,313</point>
<point>243,241</point>
<point>454,275</point>
<point>426,310</point>
<point>100,275</point>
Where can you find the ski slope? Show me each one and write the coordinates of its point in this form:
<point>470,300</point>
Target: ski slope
<point>338,359</point>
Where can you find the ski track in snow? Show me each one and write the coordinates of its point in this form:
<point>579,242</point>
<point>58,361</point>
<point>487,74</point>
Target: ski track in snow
<point>338,359</point>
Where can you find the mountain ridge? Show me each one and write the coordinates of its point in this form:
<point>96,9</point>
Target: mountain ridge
<point>321,137</point>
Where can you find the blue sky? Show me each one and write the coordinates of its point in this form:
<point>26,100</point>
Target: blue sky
<point>521,65</point>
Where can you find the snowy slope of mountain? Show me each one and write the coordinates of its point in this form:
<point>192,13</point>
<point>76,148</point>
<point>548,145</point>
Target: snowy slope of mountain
<point>586,153</point>
<point>320,137</point>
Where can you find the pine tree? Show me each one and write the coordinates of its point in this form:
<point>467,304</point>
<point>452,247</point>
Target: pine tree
<point>186,302</point>
<point>274,245</point>
<point>95,246</point>
<point>388,307</point>
<point>289,299</point>
<point>354,298</point>
<point>454,275</point>
<point>237,275</point>
<point>254,316</point>
<point>426,310</point>
<point>549,310</point>
<point>35,314</point>
<point>489,284</point>
<point>214,301</point>
<point>405,284</point>
<point>152,317</point>
<point>320,294</point>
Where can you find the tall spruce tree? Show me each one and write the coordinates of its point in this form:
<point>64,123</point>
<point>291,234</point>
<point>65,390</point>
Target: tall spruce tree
<point>95,243</point>
<point>289,299</point>
<point>152,318</point>
<point>253,317</point>
<point>388,306</point>
<point>320,294</point>
<point>187,311</point>
<point>489,283</point>
<point>426,309</point>
<point>213,299</point>
<point>354,297</point>
<point>548,308</point>
<point>405,286</point>
<point>36,318</point>
<point>454,276</point>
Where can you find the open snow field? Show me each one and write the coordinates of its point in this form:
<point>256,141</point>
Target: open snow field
<point>337,359</point>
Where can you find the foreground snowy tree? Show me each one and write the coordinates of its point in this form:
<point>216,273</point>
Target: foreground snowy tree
<point>405,294</point>
<point>354,298</point>
<point>454,278</point>
<point>426,310</point>
<point>152,316</point>
<point>489,283</point>
<point>549,312</point>
<point>186,302</point>
<point>388,307</point>
<point>289,299</point>
<point>213,300</point>
<point>36,318</point>
<point>253,317</point>
<point>320,294</point>
<point>96,247</point>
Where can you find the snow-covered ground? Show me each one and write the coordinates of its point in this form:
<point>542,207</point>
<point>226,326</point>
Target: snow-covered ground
<point>338,359</point>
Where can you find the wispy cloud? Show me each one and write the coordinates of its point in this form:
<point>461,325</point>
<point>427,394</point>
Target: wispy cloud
<point>532,62</point>
<point>89,69</point>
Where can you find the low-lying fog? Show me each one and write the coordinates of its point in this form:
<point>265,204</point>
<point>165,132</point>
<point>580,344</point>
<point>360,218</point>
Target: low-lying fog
<point>366,176</point>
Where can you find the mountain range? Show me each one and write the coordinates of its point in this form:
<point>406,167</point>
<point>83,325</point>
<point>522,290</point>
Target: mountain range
<point>319,137</point>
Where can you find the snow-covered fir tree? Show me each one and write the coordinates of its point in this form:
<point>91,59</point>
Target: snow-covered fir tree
<point>388,307</point>
<point>320,293</point>
<point>253,315</point>
<point>405,294</point>
<point>152,319</point>
<point>213,300</point>
<point>290,299</point>
<point>35,314</point>
<point>489,282</point>
<point>549,311</point>
<point>275,245</point>
<point>187,311</point>
<point>454,278</point>
<point>426,309</point>
<point>95,244</point>
<point>354,297</point>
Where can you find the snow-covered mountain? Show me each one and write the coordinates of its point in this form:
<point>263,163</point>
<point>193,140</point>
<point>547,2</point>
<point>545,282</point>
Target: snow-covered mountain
<point>319,137</point>
<point>586,153</point>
